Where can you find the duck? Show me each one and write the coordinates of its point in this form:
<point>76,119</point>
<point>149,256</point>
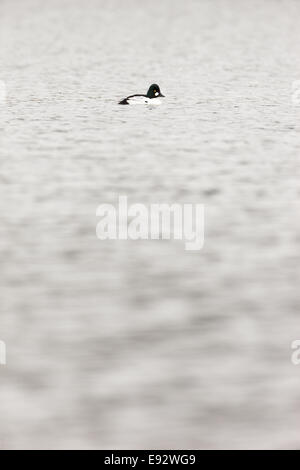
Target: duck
<point>152,97</point>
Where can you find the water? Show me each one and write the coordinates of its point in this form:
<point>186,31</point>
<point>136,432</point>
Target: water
<point>123,344</point>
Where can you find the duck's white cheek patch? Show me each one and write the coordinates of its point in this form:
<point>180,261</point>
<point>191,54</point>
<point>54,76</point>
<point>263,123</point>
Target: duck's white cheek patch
<point>156,94</point>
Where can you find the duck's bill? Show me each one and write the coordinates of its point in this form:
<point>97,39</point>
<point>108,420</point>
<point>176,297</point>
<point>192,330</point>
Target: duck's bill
<point>161,95</point>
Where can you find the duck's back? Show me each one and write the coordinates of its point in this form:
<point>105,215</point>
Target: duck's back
<point>135,99</point>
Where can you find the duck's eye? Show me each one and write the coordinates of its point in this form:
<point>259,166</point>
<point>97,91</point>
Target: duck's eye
<point>155,91</point>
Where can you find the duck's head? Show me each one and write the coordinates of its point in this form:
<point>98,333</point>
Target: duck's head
<point>154,92</point>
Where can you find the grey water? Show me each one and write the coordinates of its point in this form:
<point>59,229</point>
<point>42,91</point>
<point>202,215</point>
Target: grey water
<point>142,344</point>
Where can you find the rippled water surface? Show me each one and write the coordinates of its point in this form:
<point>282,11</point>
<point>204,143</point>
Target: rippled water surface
<point>123,344</point>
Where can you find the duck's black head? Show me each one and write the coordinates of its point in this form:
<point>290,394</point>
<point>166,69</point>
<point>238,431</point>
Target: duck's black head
<point>154,92</point>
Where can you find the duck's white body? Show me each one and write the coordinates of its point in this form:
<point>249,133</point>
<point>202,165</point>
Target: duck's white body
<point>136,100</point>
